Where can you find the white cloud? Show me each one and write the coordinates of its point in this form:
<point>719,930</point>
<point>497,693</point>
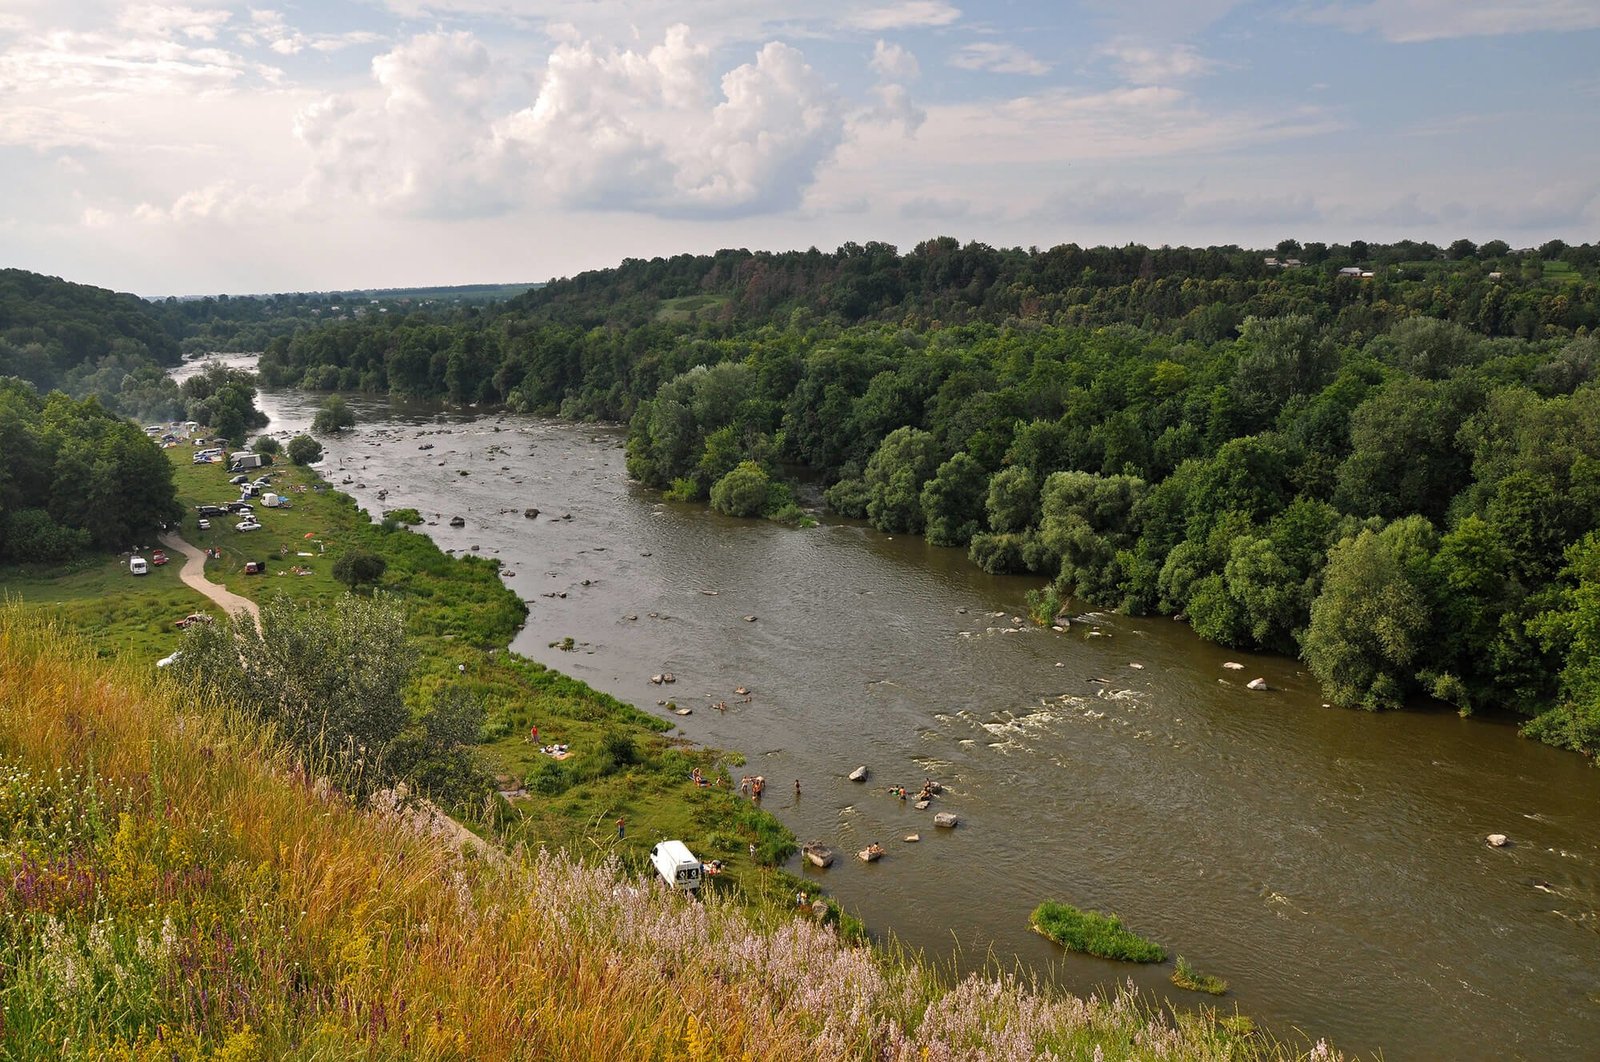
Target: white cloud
<point>894,63</point>
<point>905,14</point>
<point>168,20</point>
<point>1146,64</point>
<point>270,29</point>
<point>426,144</point>
<point>1412,21</point>
<point>617,129</point>
<point>610,128</point>
<point>93,218</point>
<point>998,58</point>
<point>65,63</point>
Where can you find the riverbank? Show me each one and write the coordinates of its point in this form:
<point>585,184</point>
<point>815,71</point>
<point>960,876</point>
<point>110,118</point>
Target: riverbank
<point>618,764</point>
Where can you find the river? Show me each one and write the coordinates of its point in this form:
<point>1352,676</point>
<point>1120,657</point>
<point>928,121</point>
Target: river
<point>1330,864</point>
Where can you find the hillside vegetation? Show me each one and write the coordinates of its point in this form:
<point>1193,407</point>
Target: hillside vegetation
<point>178,887</point>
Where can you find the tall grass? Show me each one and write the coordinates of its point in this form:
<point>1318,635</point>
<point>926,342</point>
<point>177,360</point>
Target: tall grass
<point>175,887</point>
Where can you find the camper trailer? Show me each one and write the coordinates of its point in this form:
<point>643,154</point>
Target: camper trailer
<point>138,566</point>
<point>676,864</point>
<point>244,459</point>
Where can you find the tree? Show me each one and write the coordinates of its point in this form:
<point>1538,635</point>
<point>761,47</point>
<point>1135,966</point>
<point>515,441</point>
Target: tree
<point>330,680</point>
<point>266,445</point>
<point>1370,623</point>
<point>953,501</point>
<point>304,450</point>
<point>1573,629</point>
<point>894,477</point>
<point>1013,500</point>
<point>357,566</point>
<point>743,491</point>
<point>333,417</point>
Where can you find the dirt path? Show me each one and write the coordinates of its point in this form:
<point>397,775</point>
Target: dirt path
<point>193,575</point>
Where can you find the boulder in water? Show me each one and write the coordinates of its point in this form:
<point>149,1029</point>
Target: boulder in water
<point>1497,840</point>
<point>947,819</point>
<point>859,774</point>
<point>1256,684</point>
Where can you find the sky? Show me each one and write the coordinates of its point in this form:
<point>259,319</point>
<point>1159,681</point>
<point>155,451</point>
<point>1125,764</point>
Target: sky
<point>241,148</point>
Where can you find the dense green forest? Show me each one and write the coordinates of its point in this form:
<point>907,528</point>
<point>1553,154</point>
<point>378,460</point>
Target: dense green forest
<point>75,477</point>
<point>1382,459</point>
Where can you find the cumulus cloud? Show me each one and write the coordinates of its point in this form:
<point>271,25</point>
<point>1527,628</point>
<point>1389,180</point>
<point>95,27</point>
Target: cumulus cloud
<point>892,102</point>
<point>998,58</point>
<point>894,63</point>
<point>427,146</point>
<point>618,129</point>
<point>1146,64</point>
<point>906,14</point>
<point>1412,21</point>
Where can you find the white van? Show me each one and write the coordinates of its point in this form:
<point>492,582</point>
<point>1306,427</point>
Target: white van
<point>676,864</point>
<point>139,566</point>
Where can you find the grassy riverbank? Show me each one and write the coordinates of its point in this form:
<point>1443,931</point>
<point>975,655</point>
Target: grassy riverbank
<point>177,889</point>
<point>461,618</point>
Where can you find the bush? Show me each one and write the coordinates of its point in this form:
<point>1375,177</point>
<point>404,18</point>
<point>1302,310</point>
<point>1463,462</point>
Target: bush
<point>266,445</point>
<point>743,491</point>
<point>403,516</point>
<point>1092,933</point>
<point>333,417</point>
<point>358,566</point>
<point>304,450</point>
<point>30,535</point>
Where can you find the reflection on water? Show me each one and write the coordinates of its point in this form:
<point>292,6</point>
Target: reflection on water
<point>1329,864</point>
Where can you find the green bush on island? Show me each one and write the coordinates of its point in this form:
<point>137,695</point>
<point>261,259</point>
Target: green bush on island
<point>1093,933</point>
<point>1186,976</point>
<point>403,516</point>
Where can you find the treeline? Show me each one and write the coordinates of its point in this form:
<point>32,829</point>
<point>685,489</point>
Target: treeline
<point>88,341</point>
<point>75,477</point>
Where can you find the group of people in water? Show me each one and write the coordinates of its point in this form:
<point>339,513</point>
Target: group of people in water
<point>929,789</point>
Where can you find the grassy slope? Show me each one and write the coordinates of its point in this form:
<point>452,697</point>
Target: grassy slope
<point>177,890</point>
<point>461,619</point>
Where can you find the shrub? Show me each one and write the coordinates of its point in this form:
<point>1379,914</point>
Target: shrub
<point>403,516</point>
<point>304,450</point>
<point>1092,933</point>
<point>266,445</point>
<point>30,535</point>
<point>742,492</point>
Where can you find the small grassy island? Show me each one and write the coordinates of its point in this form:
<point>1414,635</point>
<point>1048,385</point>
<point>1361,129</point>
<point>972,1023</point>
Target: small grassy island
<point>1093,933</point>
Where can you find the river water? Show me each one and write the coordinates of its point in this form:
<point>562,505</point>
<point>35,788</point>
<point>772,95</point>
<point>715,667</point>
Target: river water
<point>1329,864</point>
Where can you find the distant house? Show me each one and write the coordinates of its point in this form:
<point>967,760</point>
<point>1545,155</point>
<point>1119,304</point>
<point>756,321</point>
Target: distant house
<point>1350,271</point>
<point>1272,263</point>
<point>1496,275</point>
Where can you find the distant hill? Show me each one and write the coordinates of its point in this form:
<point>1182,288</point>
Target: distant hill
<point>51,327</point>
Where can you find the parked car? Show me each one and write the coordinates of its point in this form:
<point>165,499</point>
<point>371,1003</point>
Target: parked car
<point>191,619</point>
<point>255,567</point>
<point>158,557</point>
<point>237,480</point>
<point>210,510</point>
<point>237,507</point>
<point>247,525</point>
<point>203,524</point>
